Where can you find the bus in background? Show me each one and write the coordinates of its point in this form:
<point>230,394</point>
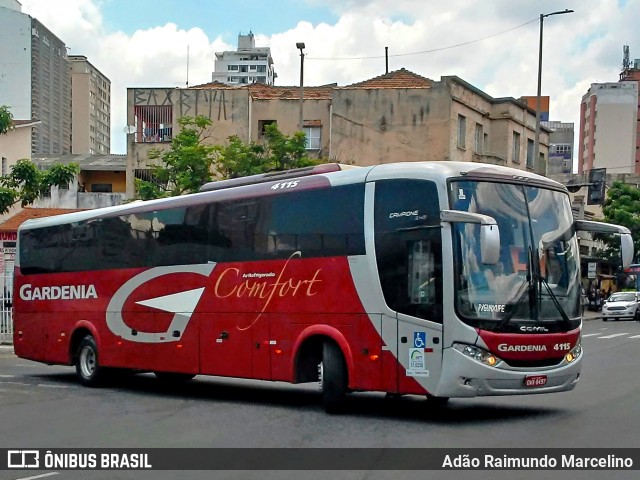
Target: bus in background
<point>442,279</point>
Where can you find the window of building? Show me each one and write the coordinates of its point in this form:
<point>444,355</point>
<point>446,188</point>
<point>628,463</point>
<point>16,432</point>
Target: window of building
<point>462,131</point>
<point>529,153</point>
<point>516,148</point>
<point>262,125</point>
<point>232,68</point>
<point>153,123</point>
<point>479,139</point>
<point>313,137</point>
<point>4,166</point>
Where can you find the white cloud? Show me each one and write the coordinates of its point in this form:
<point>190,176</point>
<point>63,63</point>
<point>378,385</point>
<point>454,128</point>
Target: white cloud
<point>579,48</point>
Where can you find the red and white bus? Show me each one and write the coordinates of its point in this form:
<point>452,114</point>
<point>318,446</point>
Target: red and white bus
<point>443,279</point>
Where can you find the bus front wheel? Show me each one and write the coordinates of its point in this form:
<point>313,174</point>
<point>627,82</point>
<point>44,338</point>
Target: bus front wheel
<point>88,368</point>
<point>333,378</point>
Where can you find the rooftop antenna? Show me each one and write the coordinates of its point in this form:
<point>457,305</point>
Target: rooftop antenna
<point>625,58</point>
<point>187,65</point>
<point>386,59</point>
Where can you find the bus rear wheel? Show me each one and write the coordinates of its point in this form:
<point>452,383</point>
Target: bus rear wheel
<point>88,369</point>
<point>333,378</point>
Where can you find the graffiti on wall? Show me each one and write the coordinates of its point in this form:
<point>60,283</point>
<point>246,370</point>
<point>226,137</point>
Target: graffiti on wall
<point>186,102</point>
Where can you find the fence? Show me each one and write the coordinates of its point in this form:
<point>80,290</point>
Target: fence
<point>6,317</point>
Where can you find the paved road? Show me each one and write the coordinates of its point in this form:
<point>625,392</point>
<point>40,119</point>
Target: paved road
<point>44,407</point>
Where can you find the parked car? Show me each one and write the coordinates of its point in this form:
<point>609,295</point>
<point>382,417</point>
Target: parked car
<point>622,305</point>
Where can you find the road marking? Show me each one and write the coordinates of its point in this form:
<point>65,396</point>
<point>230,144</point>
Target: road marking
<point>39,476</point>
<point>590,335</point>
<point>614,335</point>
<point>7,376</point>
<point>15,383</point>
<point>48,385</point>
<point>635,336</point>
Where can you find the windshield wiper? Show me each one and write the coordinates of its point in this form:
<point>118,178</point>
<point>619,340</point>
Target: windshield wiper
<point>520,293</point>
<point>556,302</point>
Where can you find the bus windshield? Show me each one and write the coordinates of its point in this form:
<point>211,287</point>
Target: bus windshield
<point>537,276</point>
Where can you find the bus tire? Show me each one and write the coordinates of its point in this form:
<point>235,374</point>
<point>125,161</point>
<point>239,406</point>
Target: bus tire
<point>88,369</point>
<point>333,377</point>
<point>437,402</point>
<point>173,377</point>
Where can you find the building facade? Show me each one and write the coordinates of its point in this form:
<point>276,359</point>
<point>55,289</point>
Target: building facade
<point>35,81</point>
<point>631,73</point>
<point>90,108</point>
<point>15,145</point>
<point>560,147</point>
<point>396,117</point>
<point>248,64</point>
<point>608,128</point>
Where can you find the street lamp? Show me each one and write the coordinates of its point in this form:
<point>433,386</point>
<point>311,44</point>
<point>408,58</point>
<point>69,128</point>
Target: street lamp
<point>300,46</point>
<point>536,146</point>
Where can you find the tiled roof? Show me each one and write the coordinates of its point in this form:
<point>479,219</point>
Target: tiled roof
<point>260,91</point>
<point>211,85</point>
<point>12,224</point>
<point>397,79</point>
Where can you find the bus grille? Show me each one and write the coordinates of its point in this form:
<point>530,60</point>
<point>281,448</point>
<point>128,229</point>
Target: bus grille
<point>547,362</point>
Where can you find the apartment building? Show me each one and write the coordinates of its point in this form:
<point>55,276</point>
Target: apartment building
<point>608,128</point>
<point>67,97</point>
<point>248,64</point>
<point>90,108</point>
<point>35,81</point>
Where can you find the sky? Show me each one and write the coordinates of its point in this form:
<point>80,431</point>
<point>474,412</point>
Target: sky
<point>491,44</point>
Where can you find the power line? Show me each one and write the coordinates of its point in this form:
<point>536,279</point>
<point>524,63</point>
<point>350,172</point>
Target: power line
<point>426,51</point>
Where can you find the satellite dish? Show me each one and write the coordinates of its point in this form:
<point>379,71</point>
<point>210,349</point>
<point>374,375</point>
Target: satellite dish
<point>129,129</point>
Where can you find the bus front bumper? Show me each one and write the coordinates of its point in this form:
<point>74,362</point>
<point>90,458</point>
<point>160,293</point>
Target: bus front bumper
<point>464,377</point>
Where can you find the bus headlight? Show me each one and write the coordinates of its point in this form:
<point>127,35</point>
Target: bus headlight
<point>478,354</point>
<point>575,352</point>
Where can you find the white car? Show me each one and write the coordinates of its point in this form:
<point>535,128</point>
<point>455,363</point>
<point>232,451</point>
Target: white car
<point>622,305</point>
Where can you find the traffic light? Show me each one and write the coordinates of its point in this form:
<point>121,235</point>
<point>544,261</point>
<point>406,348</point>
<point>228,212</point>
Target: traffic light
<point>596,186</point>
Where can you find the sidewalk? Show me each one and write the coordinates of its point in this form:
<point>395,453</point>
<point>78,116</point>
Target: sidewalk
<point>589,315</point>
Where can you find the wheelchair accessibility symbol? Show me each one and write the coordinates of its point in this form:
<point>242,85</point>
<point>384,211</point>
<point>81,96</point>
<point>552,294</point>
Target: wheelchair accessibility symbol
<point>419,339</point>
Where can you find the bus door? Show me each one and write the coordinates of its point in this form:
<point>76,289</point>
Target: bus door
<point>408,245</point>
<point>231,345</point>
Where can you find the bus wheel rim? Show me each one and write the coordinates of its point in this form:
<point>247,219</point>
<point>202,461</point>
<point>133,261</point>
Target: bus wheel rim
<point>87,361</point>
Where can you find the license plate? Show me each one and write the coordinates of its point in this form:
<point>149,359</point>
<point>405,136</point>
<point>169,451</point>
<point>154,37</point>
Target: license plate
<point>535,380</point>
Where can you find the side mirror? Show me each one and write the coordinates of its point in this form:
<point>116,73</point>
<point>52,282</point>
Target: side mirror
<point>626,242</point>
<point>489,232</point>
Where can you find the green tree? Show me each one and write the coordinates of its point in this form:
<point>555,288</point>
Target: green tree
<point>622,207</point>
<point>188,163</point>
<point>185,166</point>
<point>277,152</point>
<point>25,183</point>
<point>6,119</point>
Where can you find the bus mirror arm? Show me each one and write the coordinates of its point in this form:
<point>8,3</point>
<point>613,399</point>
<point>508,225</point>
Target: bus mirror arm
<point>626,241</point>
<point>489,232</point>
